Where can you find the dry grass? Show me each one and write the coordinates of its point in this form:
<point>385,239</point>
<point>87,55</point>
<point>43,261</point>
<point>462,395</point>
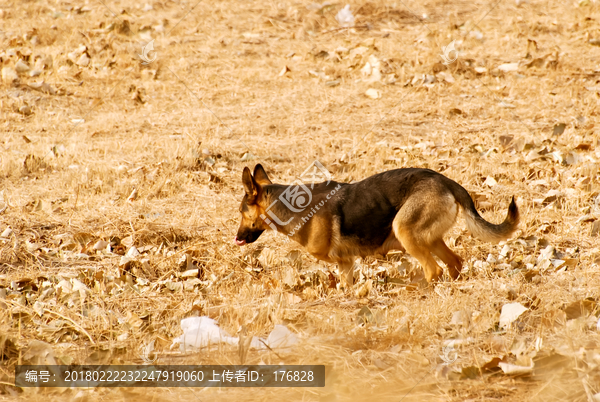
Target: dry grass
<point>216,88</point>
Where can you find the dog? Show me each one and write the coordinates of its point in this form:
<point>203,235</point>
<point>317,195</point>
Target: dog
<point>408,209</point>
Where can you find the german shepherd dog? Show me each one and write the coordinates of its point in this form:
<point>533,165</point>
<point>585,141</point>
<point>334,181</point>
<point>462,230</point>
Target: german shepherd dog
<point>406,209</point>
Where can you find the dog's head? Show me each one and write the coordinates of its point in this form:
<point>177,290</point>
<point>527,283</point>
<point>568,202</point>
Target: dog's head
<point>253,205</point>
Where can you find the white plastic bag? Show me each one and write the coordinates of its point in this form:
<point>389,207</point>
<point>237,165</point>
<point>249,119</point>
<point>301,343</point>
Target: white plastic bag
<point>200,332</point>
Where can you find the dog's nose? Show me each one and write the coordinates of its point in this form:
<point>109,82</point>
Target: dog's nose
<point>239,242</point>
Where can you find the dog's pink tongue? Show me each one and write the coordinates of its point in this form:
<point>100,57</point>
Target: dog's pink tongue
<point>239,242</point>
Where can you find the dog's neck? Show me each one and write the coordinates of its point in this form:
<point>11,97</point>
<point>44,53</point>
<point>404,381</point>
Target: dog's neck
<point>278,215</point>
<point>281,214</point>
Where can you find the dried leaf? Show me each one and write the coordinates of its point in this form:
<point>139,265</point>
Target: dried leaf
<point>581,308</point>
<point>490,181</point>
<point>559,129</point>
<point>508,67</point>
<point>511,312</point>
<point>492,365</point>
<point>373,93</point>
<point>285,70</point>
<point>513,369</point>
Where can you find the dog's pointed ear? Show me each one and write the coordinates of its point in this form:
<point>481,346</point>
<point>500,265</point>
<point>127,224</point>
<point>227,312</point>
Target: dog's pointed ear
<point>250,186</point>
<point>260,176</point>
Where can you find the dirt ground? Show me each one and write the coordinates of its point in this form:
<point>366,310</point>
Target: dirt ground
<point>120,183</point>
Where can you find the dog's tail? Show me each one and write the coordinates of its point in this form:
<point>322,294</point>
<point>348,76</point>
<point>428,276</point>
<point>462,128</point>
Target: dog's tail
<point>478,226</point>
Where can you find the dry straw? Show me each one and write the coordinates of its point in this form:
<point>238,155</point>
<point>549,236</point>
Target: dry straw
<point>98,150</point>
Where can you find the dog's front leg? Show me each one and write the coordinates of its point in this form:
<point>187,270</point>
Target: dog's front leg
<point>346,268</point>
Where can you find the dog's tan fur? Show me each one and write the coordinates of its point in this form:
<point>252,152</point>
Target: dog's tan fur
<point>403,209</point>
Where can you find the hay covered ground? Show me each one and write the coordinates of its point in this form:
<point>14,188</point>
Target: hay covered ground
<point>100,153</point>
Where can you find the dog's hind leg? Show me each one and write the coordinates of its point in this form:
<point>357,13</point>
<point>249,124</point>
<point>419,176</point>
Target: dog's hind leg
<point>453,261</point>
<point>418,249</point>
<point>420,225</point>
